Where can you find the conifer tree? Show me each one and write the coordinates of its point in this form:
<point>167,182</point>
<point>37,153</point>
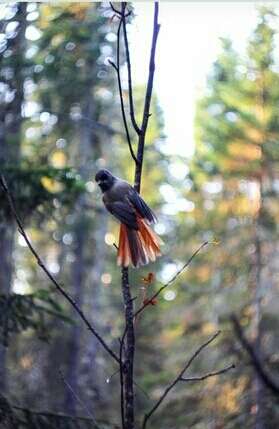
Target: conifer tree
<point>232,186</point>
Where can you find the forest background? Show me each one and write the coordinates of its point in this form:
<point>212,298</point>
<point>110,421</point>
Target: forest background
<point>60,122</point>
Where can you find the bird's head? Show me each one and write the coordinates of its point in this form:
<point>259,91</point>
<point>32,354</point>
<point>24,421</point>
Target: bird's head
<point>105,180</point>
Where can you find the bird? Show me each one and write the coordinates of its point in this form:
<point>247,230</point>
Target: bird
<point>138,243</point>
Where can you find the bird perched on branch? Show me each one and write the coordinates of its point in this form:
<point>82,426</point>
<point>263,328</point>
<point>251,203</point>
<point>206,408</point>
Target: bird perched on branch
<point>138,244</point>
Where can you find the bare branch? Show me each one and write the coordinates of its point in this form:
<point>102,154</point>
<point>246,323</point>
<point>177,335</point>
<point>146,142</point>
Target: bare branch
<point>131,101</point>
<point>118,12</point>
<point>113,65</point>
<point>117,69</point>
<point>127,342</point>
<point>48,274</point>
<point>121,376</point>
<point>177,274</point>
<point>178,378</point>
<point>209,374</point>
<point>255,359</point>
<point>149,88</point>
<point>129,349</point>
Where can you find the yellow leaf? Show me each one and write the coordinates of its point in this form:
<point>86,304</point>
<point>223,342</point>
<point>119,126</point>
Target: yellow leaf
<point>215,241</point>
<point>58,159</point>
<point>208,328</point>
<point>51,185</point>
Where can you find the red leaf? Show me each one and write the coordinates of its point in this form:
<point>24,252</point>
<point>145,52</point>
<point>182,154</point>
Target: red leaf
<point>152,301</point>
<point>148,279</point>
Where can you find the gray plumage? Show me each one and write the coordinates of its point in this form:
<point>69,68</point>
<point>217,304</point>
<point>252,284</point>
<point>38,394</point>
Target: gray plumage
<point>138,244</point>
<point>122,200</point>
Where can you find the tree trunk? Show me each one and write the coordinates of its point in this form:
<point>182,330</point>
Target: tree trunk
<point>260,393</point>
<point>10,128</point>
<point>93,374</point>
<point>259,388</point>
<point>129,351</point>
<point>78,284</point>
<point>87,269</point>
<point>80,265</point>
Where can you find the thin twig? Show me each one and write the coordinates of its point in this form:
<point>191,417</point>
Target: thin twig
<point>118,12</point>
<point>78,399</point>
<point>255,360</point>
<point>209,374</point>
<point>205,243</point>
<point>148,94</point>
<point>117,69</point>
<point>164,287</point>
<point>108,380</point>
<point>178,378</point>
<point>49,275</point>
<point>131,100</point>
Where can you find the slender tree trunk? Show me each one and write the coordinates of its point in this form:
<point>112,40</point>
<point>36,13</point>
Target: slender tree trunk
<point>127,370</point>
<point>93,375</point>
<point>258,296</point>
<point>259,387</point>
<point>80,266</point>
<point>7,232</point>
<point>10,155</point>
<point>86,273</point>
<point>129,351</point>
<point>78,280</point>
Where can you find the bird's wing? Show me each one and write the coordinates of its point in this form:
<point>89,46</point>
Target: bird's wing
<point>124,212</point>
<point>141,206</point>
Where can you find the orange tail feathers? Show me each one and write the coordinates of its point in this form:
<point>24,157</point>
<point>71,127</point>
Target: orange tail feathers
<point>137,247</point>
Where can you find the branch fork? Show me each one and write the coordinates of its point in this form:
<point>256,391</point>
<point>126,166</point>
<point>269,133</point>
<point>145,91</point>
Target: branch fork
<point>180,377</point>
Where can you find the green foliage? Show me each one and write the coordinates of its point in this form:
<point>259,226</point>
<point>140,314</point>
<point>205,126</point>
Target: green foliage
<point>71,53</point>
<point>29,311</point>
<point>38,189</point>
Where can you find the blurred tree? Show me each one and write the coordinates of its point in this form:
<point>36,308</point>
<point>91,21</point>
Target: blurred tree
<point>79,125</point>
<point>71,118</point>
<point>232,192</point>
<point>27,182</point>
<point>68,108</point>
<point>13,68</point>
<point>75,87</point>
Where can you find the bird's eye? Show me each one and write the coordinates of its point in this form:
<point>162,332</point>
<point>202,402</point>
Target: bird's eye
<point>104,177</point>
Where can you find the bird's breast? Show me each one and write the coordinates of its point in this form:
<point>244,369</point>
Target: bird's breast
<point>118,192</point>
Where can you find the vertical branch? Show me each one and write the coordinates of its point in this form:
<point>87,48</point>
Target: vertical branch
<point>10,148</point>
<point>129,351</point>
<point>121,382</point>
<point>131,100</point>
<point>117,69</point>
<point>149,88</point>
<point>127,344</point>
<point>258,263</point>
